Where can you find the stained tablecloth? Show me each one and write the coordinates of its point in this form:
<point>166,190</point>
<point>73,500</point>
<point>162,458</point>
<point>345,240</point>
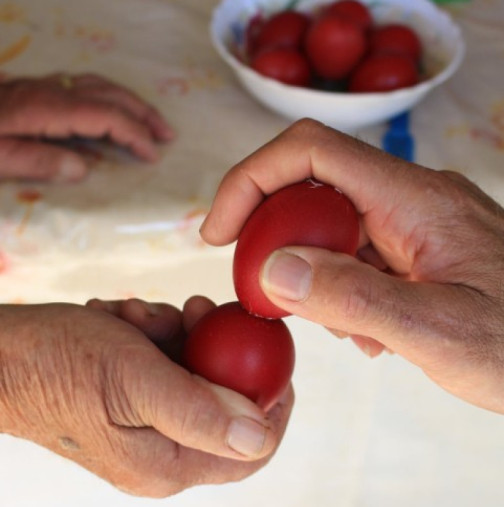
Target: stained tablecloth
<point>363,433</point>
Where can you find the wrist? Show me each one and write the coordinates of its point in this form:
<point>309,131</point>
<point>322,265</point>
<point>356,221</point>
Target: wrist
<point>12,371</point>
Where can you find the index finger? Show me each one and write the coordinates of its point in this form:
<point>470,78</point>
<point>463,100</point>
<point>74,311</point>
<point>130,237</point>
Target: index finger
<point>306,149</point>
<point>98,88</point>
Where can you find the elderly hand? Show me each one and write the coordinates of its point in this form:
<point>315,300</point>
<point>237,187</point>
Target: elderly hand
<point>428,283</point>
<point>59,107</point>
<point>92,384</point>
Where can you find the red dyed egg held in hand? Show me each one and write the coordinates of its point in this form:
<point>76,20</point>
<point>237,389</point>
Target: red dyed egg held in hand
<point>247,354</point>
<point>307,213</point>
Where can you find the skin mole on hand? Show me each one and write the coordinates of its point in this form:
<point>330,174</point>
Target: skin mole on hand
<point>68,444</point>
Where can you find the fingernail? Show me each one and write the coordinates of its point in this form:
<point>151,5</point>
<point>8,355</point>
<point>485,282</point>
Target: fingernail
<point>367,350</point>
<point>248,428</point>
<point>287,276</point>
<point>203,226</point>
<point>339,334</point>
<point>286,396</point>
<point>160,127</point>
<point>94,303</point>
<point>371,352</point>
<point>165,132</point>
<point>151,308</point>
<point>100,304</point>
<point>71,169</point>
<point>246,436</point>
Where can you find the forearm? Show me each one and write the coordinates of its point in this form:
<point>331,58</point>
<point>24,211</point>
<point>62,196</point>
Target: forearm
<point>9,381</point>
<point>25,366</point>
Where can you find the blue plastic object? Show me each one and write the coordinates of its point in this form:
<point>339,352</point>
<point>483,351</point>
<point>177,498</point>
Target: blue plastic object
<point>398,140</point>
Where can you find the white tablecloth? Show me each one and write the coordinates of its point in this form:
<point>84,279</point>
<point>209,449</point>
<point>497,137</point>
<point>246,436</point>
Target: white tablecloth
<point>364,433</point>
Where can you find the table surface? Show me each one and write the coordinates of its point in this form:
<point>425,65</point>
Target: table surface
<point>363,433</point>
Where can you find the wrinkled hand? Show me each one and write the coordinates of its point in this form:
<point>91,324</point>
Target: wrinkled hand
<point>429,280</point>
<point>59,107</point>
<point>92,384</point>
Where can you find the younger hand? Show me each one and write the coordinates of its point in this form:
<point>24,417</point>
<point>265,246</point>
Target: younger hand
<point>429,278</point>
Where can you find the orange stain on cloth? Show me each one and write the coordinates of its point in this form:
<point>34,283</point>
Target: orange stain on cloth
<point>491,134</point>
<point>15,49</point>
<point>27,198</point>
<point>11,13</point>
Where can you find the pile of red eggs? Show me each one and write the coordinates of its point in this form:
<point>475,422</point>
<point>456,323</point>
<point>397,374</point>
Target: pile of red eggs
<point>338,47</point>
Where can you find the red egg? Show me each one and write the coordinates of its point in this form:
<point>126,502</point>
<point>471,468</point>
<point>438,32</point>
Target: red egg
<point>250,355</point>
<point>396,39</point>
<point>286,65</point>
<point>355,11</point>
<point>334,45</point>
<point>306,213</point>
<point>285,29</point>
<point>384,73</point>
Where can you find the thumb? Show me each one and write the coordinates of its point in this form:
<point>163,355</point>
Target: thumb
<point>36,160</point>
<point>193,412</point>
<point>341,292</point>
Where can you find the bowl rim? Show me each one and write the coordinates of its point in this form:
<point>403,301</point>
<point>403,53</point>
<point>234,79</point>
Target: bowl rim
<point>422,87</point>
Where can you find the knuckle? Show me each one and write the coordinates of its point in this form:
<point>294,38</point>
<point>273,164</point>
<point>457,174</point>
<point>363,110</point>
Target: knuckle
<point>313,135</point>
<point>117,395</point>
<point>305,127</point>
<point>368,299</point>
<point>452,190</point>
<point>454,176</point>
<point>196,419</point>
<point>46,161</point>
<point>359,298</point>
<point>461,203</point>
<point>10,149</point>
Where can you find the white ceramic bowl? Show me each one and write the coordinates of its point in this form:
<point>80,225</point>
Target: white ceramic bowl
<point>443,52</point>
